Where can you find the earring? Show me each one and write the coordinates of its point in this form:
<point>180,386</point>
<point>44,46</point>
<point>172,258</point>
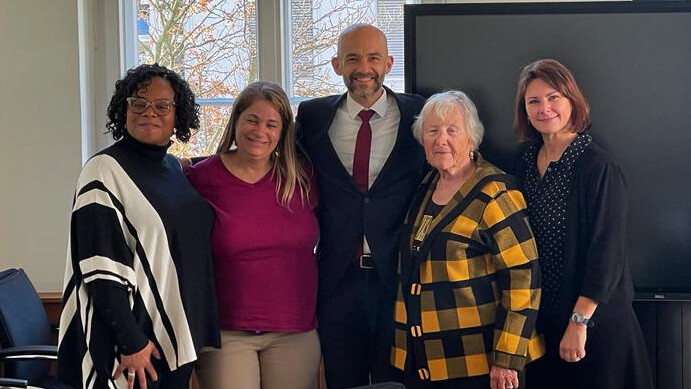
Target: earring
<point>472,155</point>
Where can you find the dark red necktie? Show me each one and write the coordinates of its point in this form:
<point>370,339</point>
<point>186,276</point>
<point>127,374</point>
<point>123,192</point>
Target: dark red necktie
<point>363,144</point>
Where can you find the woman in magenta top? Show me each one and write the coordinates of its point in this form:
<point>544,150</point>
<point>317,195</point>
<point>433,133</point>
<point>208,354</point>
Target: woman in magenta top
<point>263,244</point>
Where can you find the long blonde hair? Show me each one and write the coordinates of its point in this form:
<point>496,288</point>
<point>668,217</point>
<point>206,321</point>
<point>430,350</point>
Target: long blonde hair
<point>287,169</point>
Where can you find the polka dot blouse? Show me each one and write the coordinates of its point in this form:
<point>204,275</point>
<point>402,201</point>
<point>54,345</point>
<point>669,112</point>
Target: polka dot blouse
<point>547,200</point>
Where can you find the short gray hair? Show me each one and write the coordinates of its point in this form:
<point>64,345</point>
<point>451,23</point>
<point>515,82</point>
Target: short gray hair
<point>441,103</point>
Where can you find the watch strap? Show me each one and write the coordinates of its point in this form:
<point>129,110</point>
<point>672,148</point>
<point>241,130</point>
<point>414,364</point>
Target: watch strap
<point>579,318</point>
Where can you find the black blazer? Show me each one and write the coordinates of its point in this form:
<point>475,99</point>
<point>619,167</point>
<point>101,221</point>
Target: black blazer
<point>344,212</point>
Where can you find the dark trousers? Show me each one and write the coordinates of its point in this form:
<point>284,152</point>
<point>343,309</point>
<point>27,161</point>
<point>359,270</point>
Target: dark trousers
<point>356,331</point>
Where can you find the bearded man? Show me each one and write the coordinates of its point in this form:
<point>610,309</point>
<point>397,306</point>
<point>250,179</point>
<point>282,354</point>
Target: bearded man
<point>368,164</point>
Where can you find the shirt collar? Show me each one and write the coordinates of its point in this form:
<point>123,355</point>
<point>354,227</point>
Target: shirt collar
<point>379,107</point>
<point>569,156</point>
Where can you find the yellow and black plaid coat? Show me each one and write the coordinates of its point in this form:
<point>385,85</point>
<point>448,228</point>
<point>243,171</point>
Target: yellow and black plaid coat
<point>469,288</point>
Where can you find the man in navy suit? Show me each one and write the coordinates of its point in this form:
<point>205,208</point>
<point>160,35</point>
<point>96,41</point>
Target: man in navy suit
<point>360,221</point>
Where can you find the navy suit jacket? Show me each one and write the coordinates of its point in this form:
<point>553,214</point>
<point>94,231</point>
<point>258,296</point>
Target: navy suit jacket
<point>344,212</point>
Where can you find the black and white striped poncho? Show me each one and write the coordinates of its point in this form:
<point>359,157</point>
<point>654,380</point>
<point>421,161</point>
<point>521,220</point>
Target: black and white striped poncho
<point>136,225</point>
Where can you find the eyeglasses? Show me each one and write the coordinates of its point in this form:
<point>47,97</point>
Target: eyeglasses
<point>161,107</point>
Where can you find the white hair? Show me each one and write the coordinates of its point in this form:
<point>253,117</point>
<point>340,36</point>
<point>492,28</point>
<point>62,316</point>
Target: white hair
<point>441,103</point>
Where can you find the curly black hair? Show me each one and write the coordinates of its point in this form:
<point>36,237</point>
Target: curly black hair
<point>186,109</point>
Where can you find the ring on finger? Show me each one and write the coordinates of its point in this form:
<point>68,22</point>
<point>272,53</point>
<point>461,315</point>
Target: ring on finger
<point>131,374</point>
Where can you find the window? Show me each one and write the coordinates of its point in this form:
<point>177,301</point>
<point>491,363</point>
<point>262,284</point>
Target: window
<point>215,46</point>
<point>212,44</point>
<point>314,29</point>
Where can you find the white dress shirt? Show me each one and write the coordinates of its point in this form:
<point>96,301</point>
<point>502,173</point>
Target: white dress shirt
<point>384,123</point>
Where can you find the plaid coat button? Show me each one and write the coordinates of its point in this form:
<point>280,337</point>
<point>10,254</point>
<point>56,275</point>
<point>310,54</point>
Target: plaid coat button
<point>416,331</point>
<point>415,289</point>
<point>424,374</point>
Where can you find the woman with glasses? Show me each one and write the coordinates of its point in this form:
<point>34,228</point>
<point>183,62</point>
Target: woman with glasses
<point>139,300</point>
<point>263,244</point>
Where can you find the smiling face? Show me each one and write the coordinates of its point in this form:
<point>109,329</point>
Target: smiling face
<point>446,142</point>
<point>258,130</point>
<point>149,127</point>
<point>549,111</point>
<point>363,60</point>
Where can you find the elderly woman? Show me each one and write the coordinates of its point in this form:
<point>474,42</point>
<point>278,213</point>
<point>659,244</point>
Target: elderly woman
<point>469,283</point>
<point>577,205</point>
<point>263,246</point>
<point>138,301</point>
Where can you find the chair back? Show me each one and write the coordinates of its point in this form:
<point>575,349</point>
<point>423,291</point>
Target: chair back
<point>23,322</point>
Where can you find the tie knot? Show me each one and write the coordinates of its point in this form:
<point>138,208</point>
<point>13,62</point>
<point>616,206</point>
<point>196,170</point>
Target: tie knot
<point>365,115</point>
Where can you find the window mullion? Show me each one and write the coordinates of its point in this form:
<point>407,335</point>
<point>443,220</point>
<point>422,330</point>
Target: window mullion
<point>270,40</point>
<point>128,37</point>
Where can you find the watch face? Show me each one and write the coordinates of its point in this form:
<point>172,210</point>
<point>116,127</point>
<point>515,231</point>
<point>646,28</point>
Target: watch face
<point>578,318</point>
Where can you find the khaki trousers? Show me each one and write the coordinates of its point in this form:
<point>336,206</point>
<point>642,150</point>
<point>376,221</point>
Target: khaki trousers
<point>272,360</point>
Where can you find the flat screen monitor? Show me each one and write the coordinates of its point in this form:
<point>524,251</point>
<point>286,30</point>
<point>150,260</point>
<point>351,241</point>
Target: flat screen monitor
<point>633,63</point>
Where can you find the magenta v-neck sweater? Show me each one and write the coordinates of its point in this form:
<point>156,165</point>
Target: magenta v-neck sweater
<point>264,254</point>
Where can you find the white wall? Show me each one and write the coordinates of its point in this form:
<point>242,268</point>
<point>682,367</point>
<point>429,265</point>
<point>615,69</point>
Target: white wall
<point>40,134</point>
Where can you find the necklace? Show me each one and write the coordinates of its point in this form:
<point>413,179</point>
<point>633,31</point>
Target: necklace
<point>547,158</point>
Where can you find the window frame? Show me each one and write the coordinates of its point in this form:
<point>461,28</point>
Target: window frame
<point>273,50</point>
<point>270,40</point>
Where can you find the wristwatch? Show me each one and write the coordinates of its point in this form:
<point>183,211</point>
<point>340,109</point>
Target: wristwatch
<point>578,318</point>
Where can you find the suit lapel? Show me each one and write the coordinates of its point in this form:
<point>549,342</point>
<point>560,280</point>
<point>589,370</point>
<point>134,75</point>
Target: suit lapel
<point>323,142</point>
<point>404,124</point>
<point>322,133</point>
